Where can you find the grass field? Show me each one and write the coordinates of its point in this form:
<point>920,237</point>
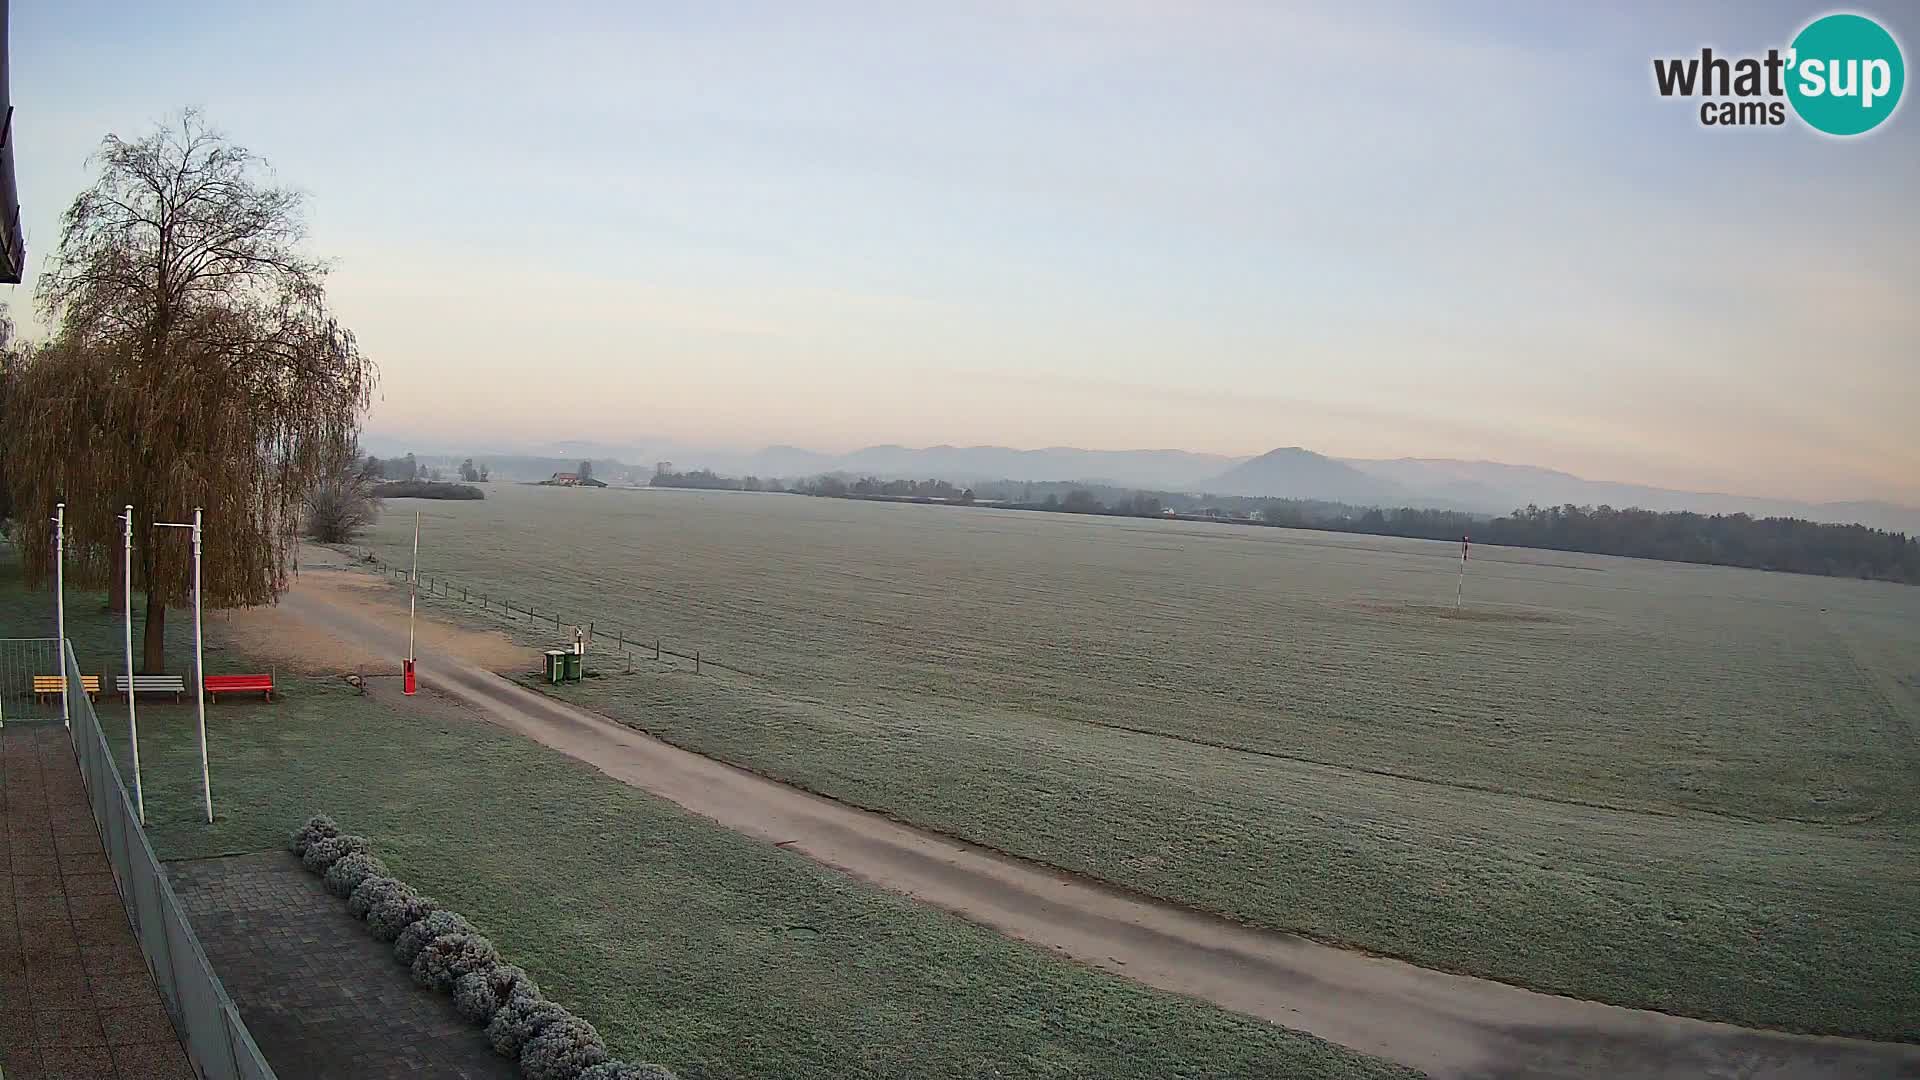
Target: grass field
<point>682,942</point>
<point>1688,788</point>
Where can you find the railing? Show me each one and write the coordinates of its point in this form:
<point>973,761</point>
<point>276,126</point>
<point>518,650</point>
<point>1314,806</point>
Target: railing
<point>217,1041</point>
<point>624,642</point>
<point>20,660</point>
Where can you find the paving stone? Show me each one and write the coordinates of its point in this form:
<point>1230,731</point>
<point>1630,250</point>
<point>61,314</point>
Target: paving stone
<point>68,1027</point>
<point>20,1061</point>
<point>136,1024</point>
<point>77,1063</point>
<point>320,995</point>
<point>93,884</point>
<point>153,1061</point>
<point>55,999</point>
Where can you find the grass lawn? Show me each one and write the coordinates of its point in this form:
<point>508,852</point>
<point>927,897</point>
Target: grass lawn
<point>683,942</point>
<point>1693,789</point>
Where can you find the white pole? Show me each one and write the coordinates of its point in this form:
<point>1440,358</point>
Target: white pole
<point>60,604</point>
<point>413,582</point>
<point>200,670</point>
<point>133,722</point>
<point>1460,589</point>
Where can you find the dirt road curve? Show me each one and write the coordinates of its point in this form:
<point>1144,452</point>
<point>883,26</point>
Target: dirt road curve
<point>1447,1025</point>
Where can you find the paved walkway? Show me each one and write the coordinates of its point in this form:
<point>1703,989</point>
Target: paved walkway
<point>75,996</point>
<point>323,998</point>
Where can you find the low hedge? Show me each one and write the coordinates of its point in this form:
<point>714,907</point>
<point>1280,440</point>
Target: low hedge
<point>477,995</point>
<point>443,951</point>
<point>343,877</point>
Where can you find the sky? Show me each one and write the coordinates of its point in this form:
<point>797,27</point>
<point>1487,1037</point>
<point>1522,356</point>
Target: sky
<point>1370,229</point>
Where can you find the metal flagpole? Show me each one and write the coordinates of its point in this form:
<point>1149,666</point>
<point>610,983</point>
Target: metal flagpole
<point>413,589</point>
<point>199,658</point>
<point>1460,590</point>
<point>200,670</point>
<point>133,722</point>
<point>60,604</point>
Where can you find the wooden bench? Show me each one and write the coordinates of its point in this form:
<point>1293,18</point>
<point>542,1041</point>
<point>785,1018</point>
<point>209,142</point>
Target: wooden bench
<point>152,684</point>
<point>52,686</point>
<point>239,684</point>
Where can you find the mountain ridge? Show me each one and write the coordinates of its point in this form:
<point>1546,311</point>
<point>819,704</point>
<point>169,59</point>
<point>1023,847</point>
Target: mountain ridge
<point>1480,486</point>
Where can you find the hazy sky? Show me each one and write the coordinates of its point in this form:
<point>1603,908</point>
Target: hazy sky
<point>1371,229</point>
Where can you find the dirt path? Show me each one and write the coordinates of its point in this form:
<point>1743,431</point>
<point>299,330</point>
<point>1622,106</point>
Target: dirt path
<point>1447,1025</point>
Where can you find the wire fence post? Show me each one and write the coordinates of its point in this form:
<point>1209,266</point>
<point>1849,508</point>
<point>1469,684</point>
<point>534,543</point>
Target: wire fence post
<point>696,661</point>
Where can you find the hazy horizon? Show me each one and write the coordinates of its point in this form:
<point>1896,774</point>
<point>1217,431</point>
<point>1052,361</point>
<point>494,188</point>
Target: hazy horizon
<point>646,452</point>
<point>1374,231</point>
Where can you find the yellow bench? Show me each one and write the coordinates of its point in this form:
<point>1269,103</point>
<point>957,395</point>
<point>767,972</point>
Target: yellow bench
<point>46,686</point>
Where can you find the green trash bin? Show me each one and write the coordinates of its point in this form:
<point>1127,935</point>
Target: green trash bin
<point>573,660</point>
<point>556,665</point>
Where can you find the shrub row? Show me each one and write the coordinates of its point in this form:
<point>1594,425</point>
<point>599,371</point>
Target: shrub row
<point>444,952</point>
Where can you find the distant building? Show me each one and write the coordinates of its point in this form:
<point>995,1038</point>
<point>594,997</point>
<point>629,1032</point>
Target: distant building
<point>567,479</point>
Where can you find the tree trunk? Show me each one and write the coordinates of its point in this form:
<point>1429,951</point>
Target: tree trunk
<point>153,643</point>
<point>116,591</point>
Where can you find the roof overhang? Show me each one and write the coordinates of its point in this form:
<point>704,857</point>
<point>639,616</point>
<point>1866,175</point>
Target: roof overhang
<point>13,247</point>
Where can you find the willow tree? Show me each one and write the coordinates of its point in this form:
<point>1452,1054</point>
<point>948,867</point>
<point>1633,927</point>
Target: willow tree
<point>195,364</point>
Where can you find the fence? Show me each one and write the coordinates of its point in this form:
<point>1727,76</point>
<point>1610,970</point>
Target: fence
<point>625,642</point>
<point>217,1041</point>
<point>20,660</point>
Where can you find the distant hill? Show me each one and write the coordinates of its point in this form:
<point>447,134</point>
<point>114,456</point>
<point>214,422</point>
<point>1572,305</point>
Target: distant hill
<point>1488,487</point>
<point>1494,487</point>
<point>1295,473</point>
<point>972,464</point>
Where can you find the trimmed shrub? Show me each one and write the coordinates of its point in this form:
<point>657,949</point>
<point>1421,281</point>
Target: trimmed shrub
<point>372,889</point>
<point>323,853</point>
<point>620,1070</point>
<point>416,937</point>
<point>317,827</point>
<point>391,915</point>
<point>346,875</point>
<point>477,995</point>
<point>562,1050</point>
<point>521,1018</point>
<point>450,956</point>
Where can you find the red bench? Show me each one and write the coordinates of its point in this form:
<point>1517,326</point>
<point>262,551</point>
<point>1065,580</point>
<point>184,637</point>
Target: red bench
<point>239,684</point>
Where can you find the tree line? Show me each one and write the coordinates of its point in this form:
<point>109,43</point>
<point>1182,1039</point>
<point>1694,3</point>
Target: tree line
<point>1787,544</point>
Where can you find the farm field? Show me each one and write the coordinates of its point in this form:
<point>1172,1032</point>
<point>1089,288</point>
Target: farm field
<point>1676,787</point>
<point>681,941</point>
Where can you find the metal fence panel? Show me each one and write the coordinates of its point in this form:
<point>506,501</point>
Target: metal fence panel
<point>20,660</point>
<point>217,1042</point>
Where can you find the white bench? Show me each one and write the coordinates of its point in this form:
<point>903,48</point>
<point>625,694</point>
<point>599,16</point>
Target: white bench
<point>152,684</point>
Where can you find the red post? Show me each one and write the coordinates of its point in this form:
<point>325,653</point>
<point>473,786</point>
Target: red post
<point>410,684</point>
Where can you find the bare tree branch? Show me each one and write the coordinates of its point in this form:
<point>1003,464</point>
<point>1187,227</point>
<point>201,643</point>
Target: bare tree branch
<point>196,365</point>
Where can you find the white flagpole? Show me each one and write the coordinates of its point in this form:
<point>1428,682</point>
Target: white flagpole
<point>1460,590</point>
<point>133,722</point>
<point>200,670</point>
<point>60,604</point>
<point>199,654</point>
<point>413,583</point>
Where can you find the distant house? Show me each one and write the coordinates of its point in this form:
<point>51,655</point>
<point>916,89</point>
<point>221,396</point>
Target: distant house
<point>567,479</point>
